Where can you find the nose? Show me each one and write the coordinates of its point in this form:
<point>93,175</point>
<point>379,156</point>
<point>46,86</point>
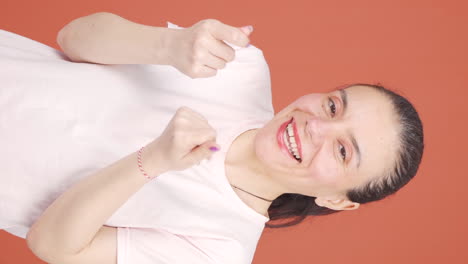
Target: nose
<point>318,129</point>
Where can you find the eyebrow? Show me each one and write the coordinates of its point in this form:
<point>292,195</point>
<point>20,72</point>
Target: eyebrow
<point>344,99</point>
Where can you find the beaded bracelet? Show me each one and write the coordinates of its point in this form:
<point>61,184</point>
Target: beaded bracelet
<point>141,166</point>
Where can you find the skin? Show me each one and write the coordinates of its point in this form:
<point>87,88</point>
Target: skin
<point>329,164</point>
<point>254,161</point>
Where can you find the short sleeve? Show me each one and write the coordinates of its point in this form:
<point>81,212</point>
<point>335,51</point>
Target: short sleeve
<point>245,81</point>
<point>151,246</point>
<point>18,45</point>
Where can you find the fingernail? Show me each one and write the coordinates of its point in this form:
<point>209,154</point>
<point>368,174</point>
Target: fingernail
<point>214,149</point>
<point>248,28</point>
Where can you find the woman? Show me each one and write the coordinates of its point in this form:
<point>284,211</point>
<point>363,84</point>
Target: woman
<point>321,154</point>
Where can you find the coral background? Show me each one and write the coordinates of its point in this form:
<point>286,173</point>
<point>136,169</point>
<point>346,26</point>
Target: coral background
<point>418,48</point>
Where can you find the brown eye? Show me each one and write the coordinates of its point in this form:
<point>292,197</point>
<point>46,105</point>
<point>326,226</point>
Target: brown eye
<point>342,152</point>
<point>332,107</point>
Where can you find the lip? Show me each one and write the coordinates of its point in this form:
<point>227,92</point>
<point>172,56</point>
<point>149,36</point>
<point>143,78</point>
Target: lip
<point>281,143</point>
<point>298,140</point>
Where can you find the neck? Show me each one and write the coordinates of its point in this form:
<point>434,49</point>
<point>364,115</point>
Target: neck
<point>244,170</point>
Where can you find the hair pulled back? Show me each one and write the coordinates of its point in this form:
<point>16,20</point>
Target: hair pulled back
<point>409,157</point>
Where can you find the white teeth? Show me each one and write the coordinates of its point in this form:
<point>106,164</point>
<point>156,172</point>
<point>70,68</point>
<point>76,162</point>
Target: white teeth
<point>291,141</point>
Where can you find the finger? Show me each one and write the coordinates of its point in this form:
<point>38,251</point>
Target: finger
<point>204,71</point>
<point>230,34</point>
<point>197,122</point>
<point>247,30</point>
<point>198,115</point>
<point>202,152</point>
<point>200,136</point>
<point>190,113</point>
<point>223,51</point>
<point>197,155</point>
<point>204,135</point>
<point>214,62</point>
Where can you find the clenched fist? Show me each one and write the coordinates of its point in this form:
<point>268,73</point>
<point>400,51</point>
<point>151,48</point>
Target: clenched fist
<point>186,141</point>
<point>199,51</point>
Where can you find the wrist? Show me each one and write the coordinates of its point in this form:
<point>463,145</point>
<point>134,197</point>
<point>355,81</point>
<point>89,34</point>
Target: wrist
<point>149,162</point>
<point>163,45</point>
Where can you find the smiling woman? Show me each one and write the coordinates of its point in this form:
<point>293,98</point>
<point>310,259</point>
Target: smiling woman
<point>120,167</point>
<point>357,145</point>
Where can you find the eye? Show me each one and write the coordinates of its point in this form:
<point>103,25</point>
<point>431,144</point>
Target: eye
<point>332,107</point>
<point>343,152</point>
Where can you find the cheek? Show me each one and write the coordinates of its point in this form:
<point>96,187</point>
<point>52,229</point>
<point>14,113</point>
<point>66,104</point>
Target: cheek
<point>326,170</point>
<point>308,103</point>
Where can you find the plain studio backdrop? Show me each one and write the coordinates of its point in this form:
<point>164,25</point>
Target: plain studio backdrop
<point>417,48</point>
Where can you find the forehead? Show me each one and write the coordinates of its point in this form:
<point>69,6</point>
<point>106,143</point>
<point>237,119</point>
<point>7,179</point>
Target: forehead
<point>372,120</point>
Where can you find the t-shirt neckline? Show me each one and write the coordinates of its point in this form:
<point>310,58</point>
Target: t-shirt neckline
<point>230,136</point>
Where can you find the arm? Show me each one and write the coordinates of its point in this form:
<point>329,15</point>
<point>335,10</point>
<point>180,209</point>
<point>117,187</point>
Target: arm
<point>65,231</point>
<point>106,38</point>
<point>68,229</point>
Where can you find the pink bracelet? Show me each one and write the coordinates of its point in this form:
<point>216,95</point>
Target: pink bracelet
<point>141,166</point>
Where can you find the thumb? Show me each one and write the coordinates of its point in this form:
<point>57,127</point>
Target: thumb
<point>231,34</point>
<point>204,151</point>
<point>247,30</point>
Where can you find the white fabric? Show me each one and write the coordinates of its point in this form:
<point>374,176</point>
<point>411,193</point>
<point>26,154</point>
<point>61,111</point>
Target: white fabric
<point>61,121</point>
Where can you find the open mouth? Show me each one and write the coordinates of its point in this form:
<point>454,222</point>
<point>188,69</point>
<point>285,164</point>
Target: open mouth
<point>288,140</point>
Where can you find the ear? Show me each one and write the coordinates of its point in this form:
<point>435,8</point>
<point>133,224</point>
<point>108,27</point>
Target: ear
<point>336,203</point>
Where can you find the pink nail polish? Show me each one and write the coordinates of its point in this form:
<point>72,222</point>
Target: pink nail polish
<point>214,149</point>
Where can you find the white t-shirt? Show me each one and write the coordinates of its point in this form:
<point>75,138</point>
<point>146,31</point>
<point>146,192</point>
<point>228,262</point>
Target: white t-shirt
<point>61,121</point>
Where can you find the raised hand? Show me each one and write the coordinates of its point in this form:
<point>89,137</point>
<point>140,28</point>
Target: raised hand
<point>200,50</point>
<point>185,142</point>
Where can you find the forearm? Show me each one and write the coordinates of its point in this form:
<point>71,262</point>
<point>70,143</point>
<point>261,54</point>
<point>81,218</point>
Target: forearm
<point>71,222</point>
<point>106,38</point>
